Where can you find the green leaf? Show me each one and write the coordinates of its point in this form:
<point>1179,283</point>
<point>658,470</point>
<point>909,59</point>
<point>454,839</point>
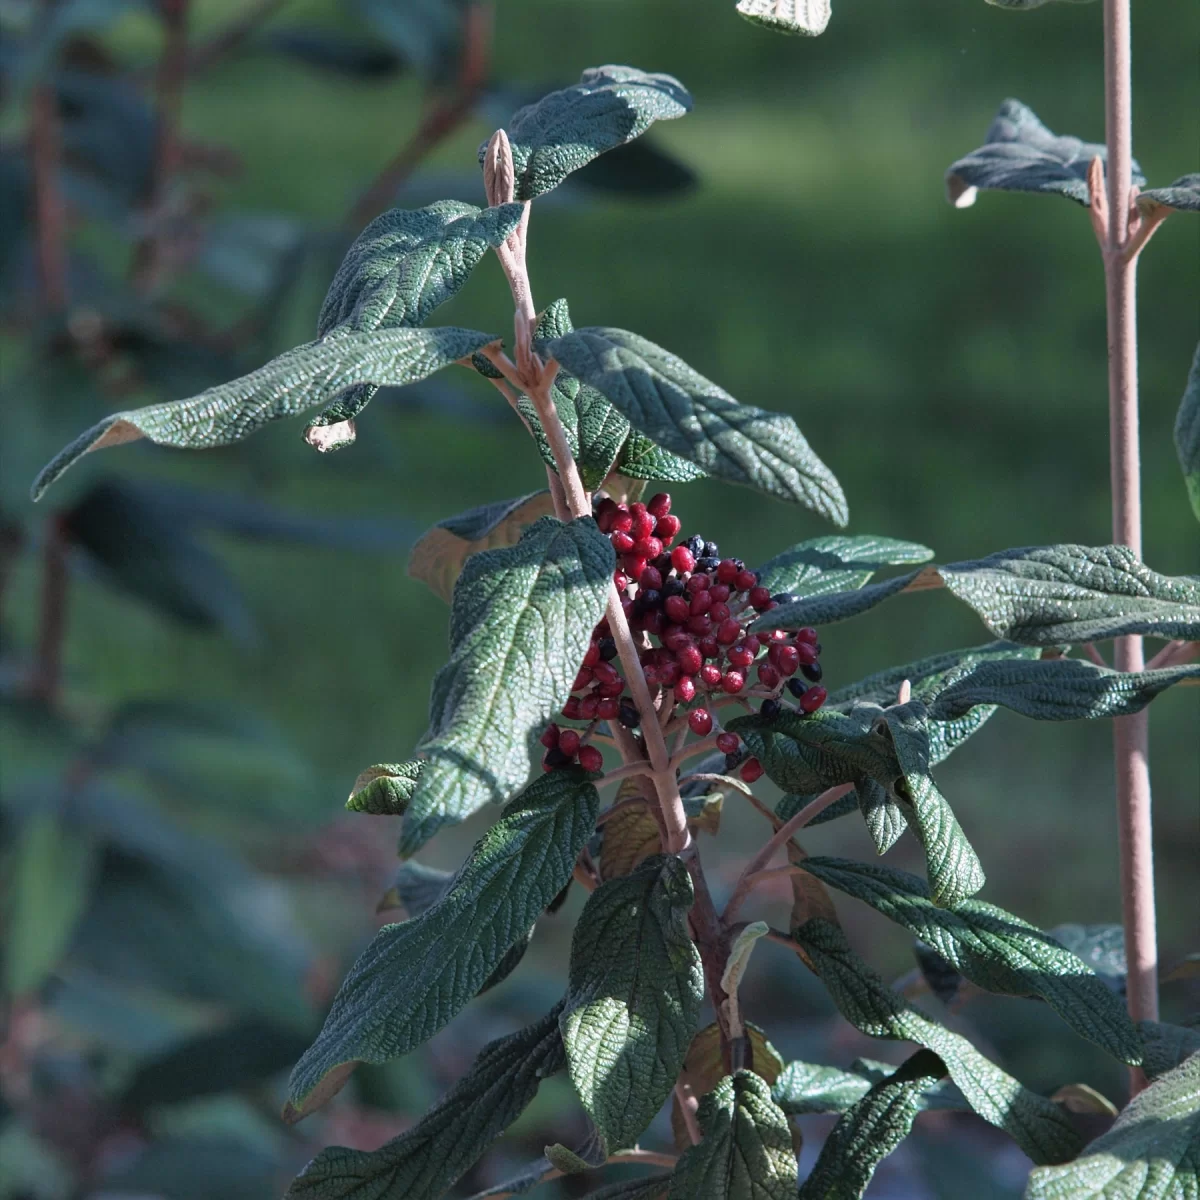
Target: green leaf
<point>557,1160</point>
<point>50,877</point>
<point>799,18</point>
<point>825,609</point>
<point>951,863</point>
<point>650,1187</point>
<point>1187,434</point>
<point>425,1160</point>
<point>437,558</point>
<point>882,813</point>
<point>1166,1046</point>
<point>870,1130</point>
<point>527,612</point>
<point>835,564</point>
<point>994,949</point>
<point>683,412</point>
<point>565,130</point>
<point>1056,689</point>
<point>636,985</point>
<point>810,1088</point>
<point>745,1152</point>
<point>415,976</point>
<point>300,379</point>
<point>1152,1152</point>
<point>385,789</point>
<point>1102,947</point>
<point>1021,155</point>
<point>1050,595</point>
<point>632,834</point>
<point>1183,195</point>
<point>640,458</point>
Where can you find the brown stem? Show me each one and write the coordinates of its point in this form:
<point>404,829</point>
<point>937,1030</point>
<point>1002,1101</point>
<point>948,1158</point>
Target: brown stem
<point>1130,734</point>
<point>47,670</point>
<point>50,212</point>
<point>688,1106</point>
<point>1174,654</point>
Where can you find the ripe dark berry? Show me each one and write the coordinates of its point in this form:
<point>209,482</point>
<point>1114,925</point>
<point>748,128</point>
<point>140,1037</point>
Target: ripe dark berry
<point>667,528</point>
<point>660,504</point>
<point>669,674</point>
<point>711,551</point>
<point>568,742</point>
<point>710,675</point>
<point>590,759</point>
<point>678,609</point>
<point>752,770</point>
<point>732,760</point>
<point>622,543</point>
<point>728,743</point>
<point>695,544</point>
<point>549,739</point>
<point>707,564</point>
<point>690,660</point>
<point>651,577</point>
<point>653,622</point>
<point>682,559</point>
<point>556,758</point>
<point>685,690</point>
<point>700,722</point>
<point>813,699</point>
<point>745,581</point>
<point>608,649</point>
<point>783,597</point>
<point>807,634</point>
<point>812,671</point>
<point>796,688</point>
<point>673,587</point>
<point>760,598</point>
<point>733,682</point>
<point>768,676</point>
<point>629,715</point>
<point>770,709</point>
<point>650,597</point>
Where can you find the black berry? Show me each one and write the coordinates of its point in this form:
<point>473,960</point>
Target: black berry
<point>711,550</point>
<point>796,688</point>
<point>734,760</point>
<point>770,709</point>
<point>608,649</point>
<point>696,545</point>
<point>783,598</point>
<point>629,715</point>
<point>812,671</point>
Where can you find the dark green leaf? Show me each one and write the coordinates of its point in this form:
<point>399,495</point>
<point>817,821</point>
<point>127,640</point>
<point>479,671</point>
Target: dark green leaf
<point>810,1088</point>
<point>1050,595</point>
<point>1056,689</point>
<point>437,558</point>
<point>839,606</point>
<point>636,985</point>
<point>1187,434</point>
<point>1036,1124</point>
<point>683,412</point>
<point>1166,1046</point>
<point>1183,195</point>
<point>385,789</point>
<point>871,1129</point>
<point>882,813</point>
<point>1152,1152</point>
<point>567,129</point>
<point>1102,947</point>
<point>640,458</point>
<point>952,865</point>
<point>424,1161</point>
<point>994,950</point>
<point>745,1152</point>
<point>1021,155</point>
<point>414,977</point>
<point>799,18</point>
<point>527,613</point>
<point>835,564</point>
<point>300,379</point>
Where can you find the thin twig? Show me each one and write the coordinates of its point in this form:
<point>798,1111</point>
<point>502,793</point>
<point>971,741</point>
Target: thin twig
<point>625,771</point>
<point>45,147</point>
<point>1089,648</point>
<point>1174,654</point>
<point>584,877</point>
<point>688,1106</point>
<point>694,748</point>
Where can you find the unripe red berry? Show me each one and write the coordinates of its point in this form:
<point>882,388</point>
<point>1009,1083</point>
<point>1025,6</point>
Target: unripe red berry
<point>699,624</point>
<point>622,543</point>
<point>634,563</point>
<point>728,743</point>
<point>752,644</point>
<point>650,670</point>
<point>718,612</point>
<point>675,637</point>
<point>590,759</point>
<point>605,672</point>
<point>733,682</point>
<point>727,572</point>
<point>710,675</point>
<point>582,680</point>
<point>807,634</point>
<point>788,661</point>
<point>647,547</point>
<point>604,690</point>
<point>813,699</point>
<point>709,647</point>
<point>643,525</point>
<point>728,632</point>
<point>669,673</point>
<point>701,602</point>
<point>806,652</point>
<point>589,706</point>
<point>660,504</point>
<point>700,722</point>
<point>592,657</point>
<point>622,522</point>
<point>667,528</point>
<point>690,660</point>
<point>752,770</point>
<point>685,690</point>
<point>760,599</point>
<point>777,635</point>
<point>568,742</point>
<point>745,579</point>
<point>678,609</point>
<point>740,656</point>
<point>768,676</point>
<point>650,578</point>
<point>608,709</point>
<point>698,583</point>
<point>720,593</point>
<point>549,739</point>
<point>652,622</point>
<point>682,559</point>
<point>571,709</point>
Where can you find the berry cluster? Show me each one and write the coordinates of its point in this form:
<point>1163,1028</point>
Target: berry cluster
<point>688,609</point>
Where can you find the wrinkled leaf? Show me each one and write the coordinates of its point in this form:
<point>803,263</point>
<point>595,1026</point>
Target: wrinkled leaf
<point>825,609</point>
<point>415,976</point>
<point>437,559</point>
<point>385,789</point>
<point>425,1160</point>
<point>683,412</point>
<point>1183,195</point>
<point>1151,1152</point>
<point>565,130</point>
<point>1021,155</point>
<point>1166,1046</point>
<point>993,949</point>
<point>835,563</point>
<point>1102,947</point>
<point>745,1152</point>
<point>295,381</point>
<point>1187,434</point>
<point>810,1088</point>
<point>636,985</point>
<point>527,612</point>
<point>799,18</point>
<point>640,458</point>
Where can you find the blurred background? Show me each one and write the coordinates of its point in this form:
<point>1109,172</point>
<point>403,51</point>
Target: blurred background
<point>199,652</point>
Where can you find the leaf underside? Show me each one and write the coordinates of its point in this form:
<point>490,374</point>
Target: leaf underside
<point>1187,434</point>
<point>798,18</point>
<point>1183,195</point>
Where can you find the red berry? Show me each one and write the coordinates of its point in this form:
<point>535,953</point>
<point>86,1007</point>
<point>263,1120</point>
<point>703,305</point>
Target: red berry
<point>690,660</point>
<point>720,593</point>
<point>718,612</point>
<point>727,572</point>
<point>582,680</point>
<point>549,739</point>
<point>667,528</point>
<point>685,690</point>
<point>605,690</point>
<point>633,564</point>
<point>700,721</point>
<point>608,709</point>
<point>650,670</point>
<point>733,682</point>
<point>752,644</point>
<point>807,634</point>
<point>647,547</point>
<point>740,655</point>
<point>568,742</point>
<point>622,543</point>
<point>698,583</point>
<point>643,525</point>
<point>710,675</point>
<point>590,759</point>
<point>571,709</point>
<point>701,602</point>
<point>651,577</point>
<point>669,673</point>
<point>760,598</point>
<point>788,661</point>
<point>660,504</point>
<point>622,522</point>
<point>745,579</point>
<point>768,676</point>
<point>678,609</point>
<point>682,559</point>
<point>728,743</point>
<point>813,699</point>
<point>589,706</point>
<point>605,672</point>
<point>752,770</point>
<point>652,622</point>
<point>699,624</point>
<point>728,632</point>
<point>675,637</point>
<point>592,657</point>
<point>806,652</point>
<point>709,647</point>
